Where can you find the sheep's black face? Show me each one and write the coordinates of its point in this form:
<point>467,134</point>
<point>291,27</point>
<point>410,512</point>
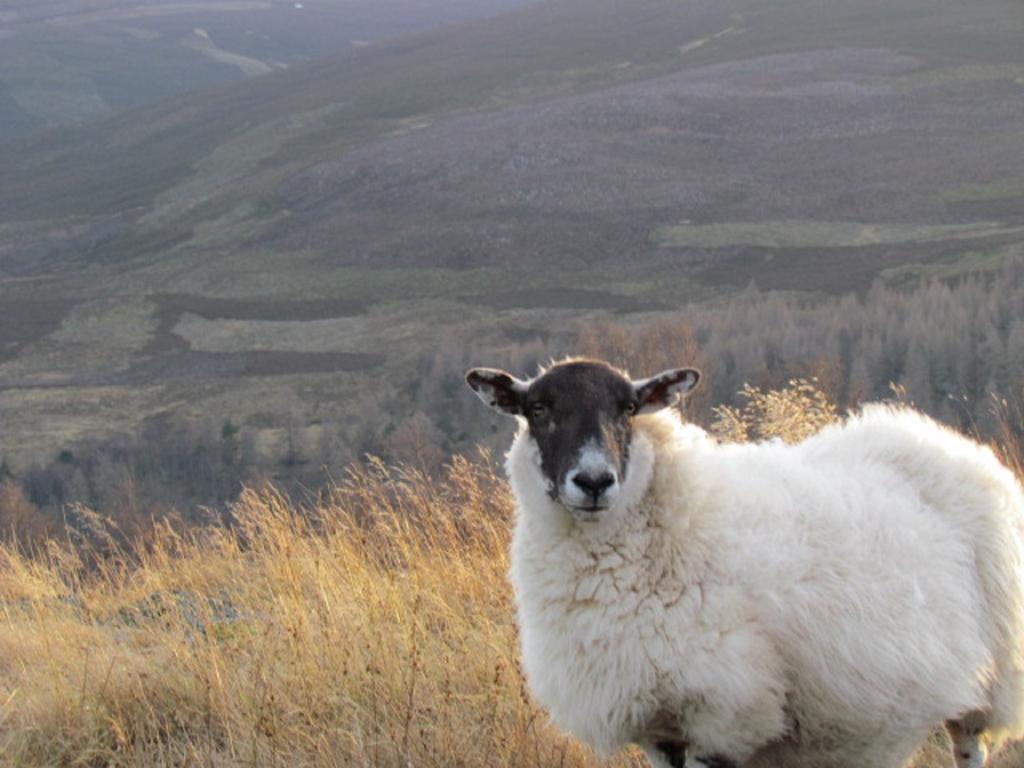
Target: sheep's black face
<point>580,414</point>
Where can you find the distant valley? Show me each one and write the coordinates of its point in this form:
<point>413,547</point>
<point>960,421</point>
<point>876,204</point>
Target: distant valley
<point>67,61</point>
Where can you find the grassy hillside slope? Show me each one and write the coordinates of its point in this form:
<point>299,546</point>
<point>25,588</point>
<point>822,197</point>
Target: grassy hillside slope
<point>65,61</point>
<point>496,179</point>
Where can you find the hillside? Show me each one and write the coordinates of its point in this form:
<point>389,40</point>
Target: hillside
<point>65,61</point>
<point>283,250</point>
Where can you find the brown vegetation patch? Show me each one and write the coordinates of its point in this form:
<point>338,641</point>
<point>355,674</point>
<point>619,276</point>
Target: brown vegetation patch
<point>523,335</point>
<point>25,321</point>
<point>814,269</point>
<point>282,363</point>
<point>210,365</point>
<point>833,270</point>
<point>211,308</point>
<point>563,298</point>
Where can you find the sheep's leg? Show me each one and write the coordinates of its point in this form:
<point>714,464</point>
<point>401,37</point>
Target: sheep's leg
<point>968,737</point>
<point>714,761</point>
<point>674,754</point>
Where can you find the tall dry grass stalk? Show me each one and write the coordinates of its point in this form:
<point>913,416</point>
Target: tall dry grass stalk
<point>791,414</point>
<point>371,628</point>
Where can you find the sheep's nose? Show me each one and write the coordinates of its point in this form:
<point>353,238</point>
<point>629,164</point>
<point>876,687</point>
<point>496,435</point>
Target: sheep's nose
<point>594,485</point>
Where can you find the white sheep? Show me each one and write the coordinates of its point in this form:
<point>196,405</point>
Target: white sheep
<point>819,605</point>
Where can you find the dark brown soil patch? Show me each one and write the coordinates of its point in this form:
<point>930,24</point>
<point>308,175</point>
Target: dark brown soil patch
<point>216,365</point>
<point>562,298</point>
<point>259,309</point>
<point>25,321</point>
<point>832,270</point>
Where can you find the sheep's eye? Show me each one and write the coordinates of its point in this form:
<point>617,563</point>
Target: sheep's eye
<point>631,408</point>
<point>538,410</point>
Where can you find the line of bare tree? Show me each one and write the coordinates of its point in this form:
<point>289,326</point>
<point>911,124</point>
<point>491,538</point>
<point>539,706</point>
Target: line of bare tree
<point>953,348</point>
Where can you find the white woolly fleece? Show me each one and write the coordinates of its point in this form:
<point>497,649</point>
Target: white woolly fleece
<point>822,605</point>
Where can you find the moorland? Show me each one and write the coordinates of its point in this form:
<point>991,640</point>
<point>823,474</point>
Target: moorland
<point>308,256</point>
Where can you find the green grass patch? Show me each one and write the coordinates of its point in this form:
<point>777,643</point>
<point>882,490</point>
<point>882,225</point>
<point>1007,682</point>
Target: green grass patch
<point>798,233</point>
<point>967,73</point>
<point>562,298</point>
<point>949,266</point>
<point>1000,189</point>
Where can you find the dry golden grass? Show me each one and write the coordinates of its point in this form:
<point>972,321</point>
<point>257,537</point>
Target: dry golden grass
<point>374,628</point>
<point>791,414</point>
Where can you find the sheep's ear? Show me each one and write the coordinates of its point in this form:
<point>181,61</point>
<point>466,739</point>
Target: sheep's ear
<point>501,391</point>
<point>660,391</point>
